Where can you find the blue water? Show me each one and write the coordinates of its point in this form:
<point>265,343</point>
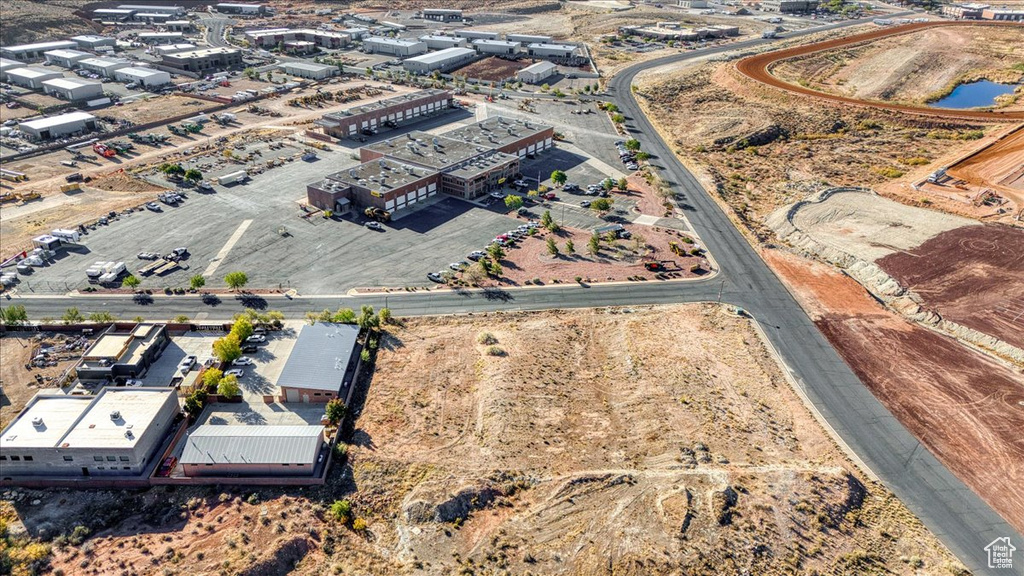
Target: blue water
<point>974,95</point>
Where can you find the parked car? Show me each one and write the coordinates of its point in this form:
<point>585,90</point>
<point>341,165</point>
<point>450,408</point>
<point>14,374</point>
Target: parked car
<point>434,276</point>
<point>167,465</point>
<point>133,383</point>
<point>585,204</point>
<point>250,348</point>
<point>632,166</point>
<point>458,265</point>
<point>256,339</point>
<point>476,255</point>
<point>186,364</point>
<point>571,187</point>
<point>153,206</point>
<point>498,195</point>
<point>519,183</point>
<point>550,196</point>
<point>236,372</point>
<point>375,226</point>
<point>243,361</point>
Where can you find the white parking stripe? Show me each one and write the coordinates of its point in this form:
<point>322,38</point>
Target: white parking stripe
<point>227,248</point>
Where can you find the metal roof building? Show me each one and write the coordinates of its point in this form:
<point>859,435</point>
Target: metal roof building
<point>309,70</point>
<point>528,38</point>
<point>30,52</point>
<point>57,126</point>
<point>31,77</point>
<point>394,46</point>
<point>435,42</point>
<point>442,60</point>
<point>537,72</point>
<point>66,58</point>
<point>73,89</point>
<point>477,34</point>
<point>104,66</point>
<point>496,47</point>
<point>92,41</point>
<point>253,450</point>
<point>318,368</point>
<point>146,77</point>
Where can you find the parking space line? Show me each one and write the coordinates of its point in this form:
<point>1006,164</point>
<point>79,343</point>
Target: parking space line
<point>227,248</point>
<point>593,162</point>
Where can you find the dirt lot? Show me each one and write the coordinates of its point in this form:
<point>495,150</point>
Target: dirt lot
<point>912,68</point>
<point>493,69</point>
<point>961,405</point>
<point>27,21</point>
<point>973,276</point>
<point>21,383</point>
<point>157,108</point>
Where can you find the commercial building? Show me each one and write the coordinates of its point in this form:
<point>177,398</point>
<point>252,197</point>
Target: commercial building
<point>33,52</point>
<point>66,58</point>
<point>274,37</point>
<point>536,73</point>
<point>435,42</point>
<point>113,14</point>
<point>476,34</point>
<point>388,185</point>
<point>154,38</point>
<point>58,126</point>
<point>789,6</point>
<point>310,70</point>
<point>32,77</point>
<point>241,9</point>
<point>178,25</point>
<point>6,65</point>
<point>253,451</point>
<point>104,66</point>
<point>718,31</point>
<point>442,15</point>
<point>202,61</point>
<point>92,42</point>
<point>356,32</point>
<point>173,49</point>
<point>964,11</point>
<point>115,433</point>
<point>390,111</point>
<point>1003,14</point>
<point>73,89</point>
<point>145,77</point>
<point>693,3</point>
<point>321,365</point>
<point>151,17</point>
<point>661,33</point>
<point>154,9</point>
<point>496,47</point>
<point>512,136</point>
<point>557,51</point>
<point>394,46</point>
<point>442,60</point>
<point>528,39</point>
<point>121,354</point>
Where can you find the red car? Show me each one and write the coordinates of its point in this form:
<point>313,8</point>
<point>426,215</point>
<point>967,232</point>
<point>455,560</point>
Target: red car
<point>167,466</point>
<point>550,196</point>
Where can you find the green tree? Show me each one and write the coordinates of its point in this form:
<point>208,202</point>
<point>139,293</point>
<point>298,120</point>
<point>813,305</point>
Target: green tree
<point>570,248</point>
<point>341,511</point>
<point>546,220</point>
<point>552,246</point>
<point>601,204</point>
<point>195,401</point>
<point>367,320</point>
<point>495,252</point>
<point>513,202</point>
<point>385,315</point>
<point>641,155</point>
<point>618,118</point>
<point>607,184</point>
<point>344,316</point>
<point>212,377</point>
<point>193,175</point>
<point>14,315</point>
<point>632,144</point>
<point>228,348</point>
<point>558,177</point>
<point>181,319</point>
<point>197,281</point>
<point>228,386</point>
<point>236,280</point>
<point>102,317</point>
<point>532,194</point>
<point>494,269</point>
<point>594,244</point>
<point>623,184</point>
<point>172,169</point>
<point>131,281</point>
<point>72,316</point>
<point>242,327</point>
<point>610,107</point>
<point>336,411</point>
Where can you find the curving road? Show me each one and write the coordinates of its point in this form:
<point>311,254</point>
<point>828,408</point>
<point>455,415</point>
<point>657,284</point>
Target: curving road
<point>957,516</point>
<point>758,67</point>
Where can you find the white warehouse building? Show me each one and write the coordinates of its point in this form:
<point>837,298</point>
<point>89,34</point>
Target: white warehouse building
<point>104,66</point>
<point>73,89</point>
<point>477,34</point>
<point>435,42</point>
<point>537,72</point>
<point>146,77</point>
<point>58,126</point>
<point>442,14</point>
<point>552,50</point>
<point>442,60</point>
<point>92,41</point>
<point>528,39</point>
<point>153,38</point>
<point>309,70</point>
<point>32,52</point>
<point>496,47</point>
<point>32,77</point>
<point>7,65</point>
<point>394,46</point>
<point>66,58</point>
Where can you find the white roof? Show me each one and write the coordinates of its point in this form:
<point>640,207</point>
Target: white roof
<point>137,407</point>
<point>219,444</point>
<point>442,55</point>
<point>539,67</point>
<point>7,63</point>
<point>41,46</point>
<point>101,62</point>
<point>309,66</point>
<point>160,34</point>
<point>59,414</point>
<point>69,83</point>
<point>204,52</point>
<point>33,72</point>
<point>52,121</point>
<point>554,46</point>
<point>141,72</point>
<point>90,38</point>
<point>486,42</point>
<point>66,53</point>
<point>392,41</point>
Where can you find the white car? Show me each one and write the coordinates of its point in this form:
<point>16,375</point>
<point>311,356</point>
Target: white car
<point>256,339</point>
<point>498,195</point>
<point>519,183</point>
<point>243,361</point>
<point>458,265</point>
<point>236,372</point>
<point>133,383</point>
<point>186,364</point>
<point>374,226</point>
<point>434,277</point>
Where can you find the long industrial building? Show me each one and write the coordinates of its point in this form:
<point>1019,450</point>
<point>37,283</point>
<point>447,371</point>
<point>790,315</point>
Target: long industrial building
<point>32,77</point>
<point>400,172</point>
<point>231,451</point>
<point>441,61</point>
<point>321,364</point>
<point>145,77</point>
<point>66,58</point>
<point>115,433</point>
<point>205,60</point>
<point>370,117</point>
<point>73,89</point>
<point>496,47</point>
<point>310,70</point>
<point>36,51</point>
<point>394,46</point>
<point>435,42</point>
<point>442,14</point>
<point>104,66</point>
<point>58,126</point>
<point>270,38</point>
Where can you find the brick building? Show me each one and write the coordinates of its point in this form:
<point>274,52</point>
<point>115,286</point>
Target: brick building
<point>387,112</point>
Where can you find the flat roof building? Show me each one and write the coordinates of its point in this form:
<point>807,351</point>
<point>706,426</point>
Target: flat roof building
<point>212,450</point>
<point>7,64</point>
<point>558,51</point>
<point>537,72</point>
<point>271,38</point>
<point>104,66</point>
<point>58,126</point>
<point>310,70</point>
<point>113,14</point>
<point>36,51</point>
<point>394,46</point>
<point>32,77</point>
<point>789,6</point>
<point>242,9</point>
<point>92,41</point>
<point>145,77</point>
<point>499,47</point>
<point>115,433</point>
<point>155,8</point>
<point>73,89</point>
<point>1002,14</point>
<point>477,34</point>
<point>389,111</point>
<point>205,60</point>
<point>119,354</point>
<point>513,136</point>
<point>66,58</point>
<point>388,185</point>
<point>321,364</point>
<point>153,38</point>
<point>435,42</point>
<point>442,14</point>
<point>178,25</point>
<point>528,39</point>
<point>442,60</point>
<point>173,48</point>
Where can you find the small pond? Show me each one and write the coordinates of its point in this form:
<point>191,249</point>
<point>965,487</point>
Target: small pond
<point>974,95</point>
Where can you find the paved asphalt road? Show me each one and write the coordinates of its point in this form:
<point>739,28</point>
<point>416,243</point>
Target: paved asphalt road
<point>957,516</point>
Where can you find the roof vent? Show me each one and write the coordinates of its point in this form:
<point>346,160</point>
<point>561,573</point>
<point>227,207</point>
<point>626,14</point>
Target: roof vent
<point>37,421</point>
<point>115,415</point>
<point>128,434</point>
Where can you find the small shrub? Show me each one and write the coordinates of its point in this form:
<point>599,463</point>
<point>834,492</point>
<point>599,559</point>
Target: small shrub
<point>486,338</point>
<point>495,351</point>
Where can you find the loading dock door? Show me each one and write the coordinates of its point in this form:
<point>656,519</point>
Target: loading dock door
<point>292,395</point>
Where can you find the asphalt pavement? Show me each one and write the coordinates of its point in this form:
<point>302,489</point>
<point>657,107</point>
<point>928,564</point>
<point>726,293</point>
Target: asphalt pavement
<point>957,516</point>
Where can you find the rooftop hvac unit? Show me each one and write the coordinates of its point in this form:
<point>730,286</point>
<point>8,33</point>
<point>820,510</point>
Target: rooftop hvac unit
<point>37,421</point>
<point>409,136</point>
<point>128,434</point>
<point>352,173</point>
<point>115,415</point>
<point>436,141</point>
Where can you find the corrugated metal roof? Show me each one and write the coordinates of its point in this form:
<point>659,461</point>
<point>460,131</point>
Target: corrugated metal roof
<point>320,357</point>
<point>209,444</point>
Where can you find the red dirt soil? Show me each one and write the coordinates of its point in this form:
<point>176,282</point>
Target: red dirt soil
<point>757,67</point>
<point>492,69</point>
<point>961,405</point>
<point>973,276</point>
<point>1000,164</point>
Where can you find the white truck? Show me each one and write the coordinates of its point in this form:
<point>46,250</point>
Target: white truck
<point>65,235</point>
<point>233,178</point>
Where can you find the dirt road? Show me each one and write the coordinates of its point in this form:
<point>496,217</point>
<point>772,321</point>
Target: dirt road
<point>758,67</point>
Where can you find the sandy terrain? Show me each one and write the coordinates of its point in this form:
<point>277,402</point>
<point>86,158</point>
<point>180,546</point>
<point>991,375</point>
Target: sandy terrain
<point>21,383</point>
<point>973,276</point>
<point>492,69</point>
<point>156,108</point>
<point>961,405</point>
<point>999,167</point>
<point>910,68</point>
<point>28,21</point>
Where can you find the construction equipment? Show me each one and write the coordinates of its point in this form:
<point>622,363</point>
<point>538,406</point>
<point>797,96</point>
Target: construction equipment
<point>377,214</point>
<point>175,130</point>
<point>72,187</point>
<point>103,150</point>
